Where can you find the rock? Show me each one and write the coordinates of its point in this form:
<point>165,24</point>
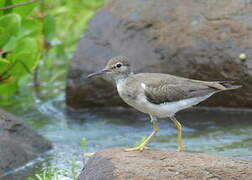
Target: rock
<point>116,164</point>
<point>195,39</point>
<point>18,144</point>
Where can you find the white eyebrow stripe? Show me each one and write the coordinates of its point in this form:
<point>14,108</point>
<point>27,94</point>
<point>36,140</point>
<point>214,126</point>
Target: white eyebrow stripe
<point>143,85</point>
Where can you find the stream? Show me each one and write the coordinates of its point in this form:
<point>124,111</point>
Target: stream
<point>225,132</point>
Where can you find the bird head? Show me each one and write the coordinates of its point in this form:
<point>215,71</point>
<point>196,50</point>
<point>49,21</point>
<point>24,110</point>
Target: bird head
<point>117,67</point>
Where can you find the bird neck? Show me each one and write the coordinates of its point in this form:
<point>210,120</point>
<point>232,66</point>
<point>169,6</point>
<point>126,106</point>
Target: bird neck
<point>121,77</point>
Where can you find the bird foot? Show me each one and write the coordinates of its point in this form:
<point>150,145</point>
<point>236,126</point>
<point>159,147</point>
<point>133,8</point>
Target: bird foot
<point>138,148</point>
<point>181,148</point>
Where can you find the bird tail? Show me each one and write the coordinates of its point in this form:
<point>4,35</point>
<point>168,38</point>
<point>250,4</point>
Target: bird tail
<point>228,85</point>
<point>223,85</point>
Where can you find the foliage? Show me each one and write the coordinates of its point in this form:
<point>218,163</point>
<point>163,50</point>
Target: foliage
<point>53,173</point>
<point>73,169</point>
<point>37,40</point>
<point>20,47</point>
<point>48,174</point>
<point>83,144</point>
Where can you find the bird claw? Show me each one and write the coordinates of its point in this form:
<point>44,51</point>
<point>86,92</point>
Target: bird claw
<point>138,148</point>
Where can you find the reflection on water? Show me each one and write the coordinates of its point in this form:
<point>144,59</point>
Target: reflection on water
<point>227,133</point>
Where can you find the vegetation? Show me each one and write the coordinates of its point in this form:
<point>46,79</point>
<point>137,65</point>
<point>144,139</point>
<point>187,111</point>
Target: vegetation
<point>83,144</point>
<point>37,39</point>
<point>53,173</point>
<point>48,174</point>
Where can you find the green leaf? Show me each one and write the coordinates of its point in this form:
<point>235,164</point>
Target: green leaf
<point>30,27</point>
<point>49,27</point>
<point>4,64</point>
<point>11,23</point>
<point>29,45</point>
<point>2,4</point>
<point>7,89</point>
<point>5,69</point>
<point>10,45</point>
<point>9,26</point>
<point>5,101</point>
<point>7,3</point>
<point>24,10</point>
<point>25,55</point>
<point>83,144</point>
<point>4,61</point>
<point>25,64</point>
<point>3,36</point>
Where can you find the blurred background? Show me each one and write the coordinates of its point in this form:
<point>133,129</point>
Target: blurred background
<point>39,38</point>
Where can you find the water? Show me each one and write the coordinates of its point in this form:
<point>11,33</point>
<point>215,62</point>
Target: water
<point>215,131</point>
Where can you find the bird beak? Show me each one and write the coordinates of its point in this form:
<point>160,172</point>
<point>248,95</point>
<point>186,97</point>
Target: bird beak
<point>103,71</point>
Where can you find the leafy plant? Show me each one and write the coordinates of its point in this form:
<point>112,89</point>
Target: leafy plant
<point>83,144</point>
<point>20,51</point>
<point>73,168</point>
<point>54,173</point>
<point>48,174</point>
<point>37,40</point>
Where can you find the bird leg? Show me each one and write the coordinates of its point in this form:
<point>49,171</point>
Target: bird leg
<point>142,146</point>
<point>179,128</point>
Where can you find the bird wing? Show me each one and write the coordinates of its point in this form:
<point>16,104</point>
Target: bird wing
<point>165,91</point>
<point>161,88</point>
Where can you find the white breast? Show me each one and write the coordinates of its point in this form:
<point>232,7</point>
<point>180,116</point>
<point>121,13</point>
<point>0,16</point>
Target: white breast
<point>119,85</point>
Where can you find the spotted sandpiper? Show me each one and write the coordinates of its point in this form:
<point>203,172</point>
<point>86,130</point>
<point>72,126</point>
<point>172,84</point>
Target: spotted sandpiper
<point>159,95</point>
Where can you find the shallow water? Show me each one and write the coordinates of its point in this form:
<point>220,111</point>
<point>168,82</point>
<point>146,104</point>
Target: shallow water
<point>214,131</point>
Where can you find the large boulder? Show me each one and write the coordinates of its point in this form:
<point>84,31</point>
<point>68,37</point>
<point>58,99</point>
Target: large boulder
<point>18,144</point>
<point>116,164</point>
<point>195,39</point>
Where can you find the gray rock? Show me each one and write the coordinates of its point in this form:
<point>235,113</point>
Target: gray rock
<point>194,39</point>
<point>116,164</point>
<point>18,143</point>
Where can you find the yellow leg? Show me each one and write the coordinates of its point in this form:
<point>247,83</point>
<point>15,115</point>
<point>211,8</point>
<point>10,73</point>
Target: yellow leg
<point>142,146</point>
<point>179,128</point>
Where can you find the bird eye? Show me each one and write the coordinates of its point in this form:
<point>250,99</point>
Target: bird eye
<point>118,65</point>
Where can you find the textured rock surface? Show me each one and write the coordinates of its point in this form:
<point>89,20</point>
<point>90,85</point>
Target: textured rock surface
<point>18,144</point>
<point>194,39</point>
<point>116,164</point>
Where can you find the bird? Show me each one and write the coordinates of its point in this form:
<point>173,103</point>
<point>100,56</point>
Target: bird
<point>159,95</point>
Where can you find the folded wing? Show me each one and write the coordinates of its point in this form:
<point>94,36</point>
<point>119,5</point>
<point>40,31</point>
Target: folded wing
<point>162,92</point>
